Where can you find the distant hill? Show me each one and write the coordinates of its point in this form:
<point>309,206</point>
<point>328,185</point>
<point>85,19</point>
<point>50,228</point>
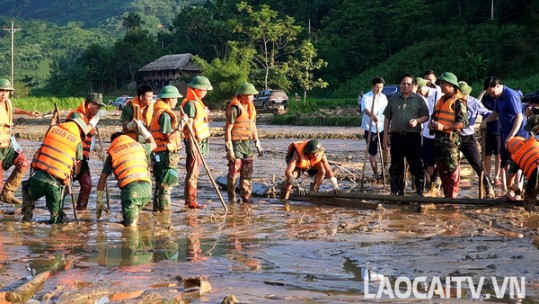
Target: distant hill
<point>93,13</point>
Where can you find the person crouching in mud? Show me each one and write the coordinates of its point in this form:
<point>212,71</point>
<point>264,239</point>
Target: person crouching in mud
<point>307,156</point>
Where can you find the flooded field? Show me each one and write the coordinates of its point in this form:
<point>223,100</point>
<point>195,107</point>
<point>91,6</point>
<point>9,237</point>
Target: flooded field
<point>269,252</point>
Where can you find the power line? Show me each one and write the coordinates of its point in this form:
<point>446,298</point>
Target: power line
<point>12,30</point>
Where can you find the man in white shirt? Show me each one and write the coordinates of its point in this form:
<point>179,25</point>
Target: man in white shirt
<point>372,106</point>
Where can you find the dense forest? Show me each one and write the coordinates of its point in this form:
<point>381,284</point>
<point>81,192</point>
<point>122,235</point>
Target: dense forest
<point>331,48</point>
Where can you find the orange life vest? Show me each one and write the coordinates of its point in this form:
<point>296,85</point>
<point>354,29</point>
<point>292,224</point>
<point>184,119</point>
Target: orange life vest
<point>6,121</point>
<point>444,110</point>
<point>145,115</point>
<point>201,125</point>
<point>160,138</point>
<point>304,162</point>
<point>87,142</point>
<point>58,152</point>
<point>129,162</point>
<point>525,153</point>
<point>242,128</point>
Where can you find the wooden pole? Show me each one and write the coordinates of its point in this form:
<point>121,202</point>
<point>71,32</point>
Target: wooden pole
<point>103,155</point>
<point>197,148</point>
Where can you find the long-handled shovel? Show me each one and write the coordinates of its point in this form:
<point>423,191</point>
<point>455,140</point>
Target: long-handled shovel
<point>103,155</point>
<point>368,145</point>
<point>482,172</point>
<point>197,148</point>
<point>381,157</point>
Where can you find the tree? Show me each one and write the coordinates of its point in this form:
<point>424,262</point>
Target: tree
<point>302,68</point>
<point>132,21</point>
<point>272,38</point>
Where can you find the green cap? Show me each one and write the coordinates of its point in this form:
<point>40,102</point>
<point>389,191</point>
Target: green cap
<point>96,98</point>
<point>201,82</point>
<point>421,82</point>
<point>464,88</point>
<point>246,89</point>
<point>532,125</point>
<point>5,85</point>
<point>450,78</point>
<point>169,91</point>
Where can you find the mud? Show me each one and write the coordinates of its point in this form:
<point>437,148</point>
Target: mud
<point>266,252</point>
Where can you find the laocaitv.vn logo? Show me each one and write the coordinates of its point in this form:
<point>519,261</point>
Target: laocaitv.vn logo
<point>455,287</point>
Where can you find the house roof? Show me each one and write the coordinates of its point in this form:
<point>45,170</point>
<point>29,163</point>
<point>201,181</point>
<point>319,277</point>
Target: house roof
<point>172,62</point>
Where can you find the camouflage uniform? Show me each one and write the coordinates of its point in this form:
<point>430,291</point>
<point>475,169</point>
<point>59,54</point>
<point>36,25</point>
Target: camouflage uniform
<point>447,153</point>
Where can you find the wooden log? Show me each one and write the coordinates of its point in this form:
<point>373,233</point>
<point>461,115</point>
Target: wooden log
<point>391,199</point>
<point>27,290</point>
<point>341,202</point>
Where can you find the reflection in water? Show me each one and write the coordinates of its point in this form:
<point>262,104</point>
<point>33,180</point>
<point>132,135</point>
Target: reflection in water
<point>193,250</point>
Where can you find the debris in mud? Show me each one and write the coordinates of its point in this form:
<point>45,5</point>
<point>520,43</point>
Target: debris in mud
<point>230,299</point>
<point>201,284</point>
<point>27,290</point>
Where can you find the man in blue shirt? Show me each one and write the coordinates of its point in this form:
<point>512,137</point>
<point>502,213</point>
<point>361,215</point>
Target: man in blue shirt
<point>508,109</point>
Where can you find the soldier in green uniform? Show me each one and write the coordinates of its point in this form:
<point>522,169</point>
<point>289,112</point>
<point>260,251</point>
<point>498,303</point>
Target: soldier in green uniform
<point>240,134</point>
<point>165,129</point>
<point>55,163</point>
<point>129,160</point>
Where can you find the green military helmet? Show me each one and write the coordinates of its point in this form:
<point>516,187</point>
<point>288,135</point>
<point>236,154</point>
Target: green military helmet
<point>313,146</point>
<point>450,78</point>
<point>5,85</point>
<point>201,82</point>
<point>169,91</point>
<point>246,89</point>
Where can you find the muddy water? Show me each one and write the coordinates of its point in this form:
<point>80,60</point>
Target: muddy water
<point>267,252</point>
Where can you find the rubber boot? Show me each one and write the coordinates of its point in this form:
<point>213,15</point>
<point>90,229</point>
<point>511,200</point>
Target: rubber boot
<point>56,218</point>
<point>164,199</point>
<point>157,197</point>
<point>231,189</point>
<point>420,184</point>
<point>12,183</point>
<point>246,173</point>
<point>246,190</point>
<point>85,181</point>
<point>394,184</point>
<point>27,203</point>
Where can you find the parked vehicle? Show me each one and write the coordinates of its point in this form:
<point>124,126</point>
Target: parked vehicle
<point>271,99</point>
<point>120,102</point>
<point>391,90</point>
<point>531,97</point>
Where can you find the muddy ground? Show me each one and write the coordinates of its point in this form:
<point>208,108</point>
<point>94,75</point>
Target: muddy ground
<point>266,252</point>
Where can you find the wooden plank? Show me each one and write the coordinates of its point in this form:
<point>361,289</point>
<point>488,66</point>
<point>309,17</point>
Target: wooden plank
<point>391,199</point>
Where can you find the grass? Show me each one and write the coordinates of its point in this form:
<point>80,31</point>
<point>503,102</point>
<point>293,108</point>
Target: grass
<point>317,112</point>
<point>46,104</point>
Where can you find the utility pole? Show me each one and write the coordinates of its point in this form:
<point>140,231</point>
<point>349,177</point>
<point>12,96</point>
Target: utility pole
<point>12,30</point>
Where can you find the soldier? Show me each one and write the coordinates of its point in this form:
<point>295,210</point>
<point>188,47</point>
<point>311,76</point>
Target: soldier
<point>89,111</point>
<point>525,156</point>
<point>240,133</point>
<point>307,156</point>
<point>448,119</point>
<point>10,151</point>
<point>165,130</point>
<point>130,163</point>
<point>55,163</point>
<point>195,109</point>
<point>144,102</point>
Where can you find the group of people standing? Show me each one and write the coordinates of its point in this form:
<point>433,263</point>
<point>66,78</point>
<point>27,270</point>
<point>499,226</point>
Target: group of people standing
<point>149,143</point>
<point>428,125</point>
